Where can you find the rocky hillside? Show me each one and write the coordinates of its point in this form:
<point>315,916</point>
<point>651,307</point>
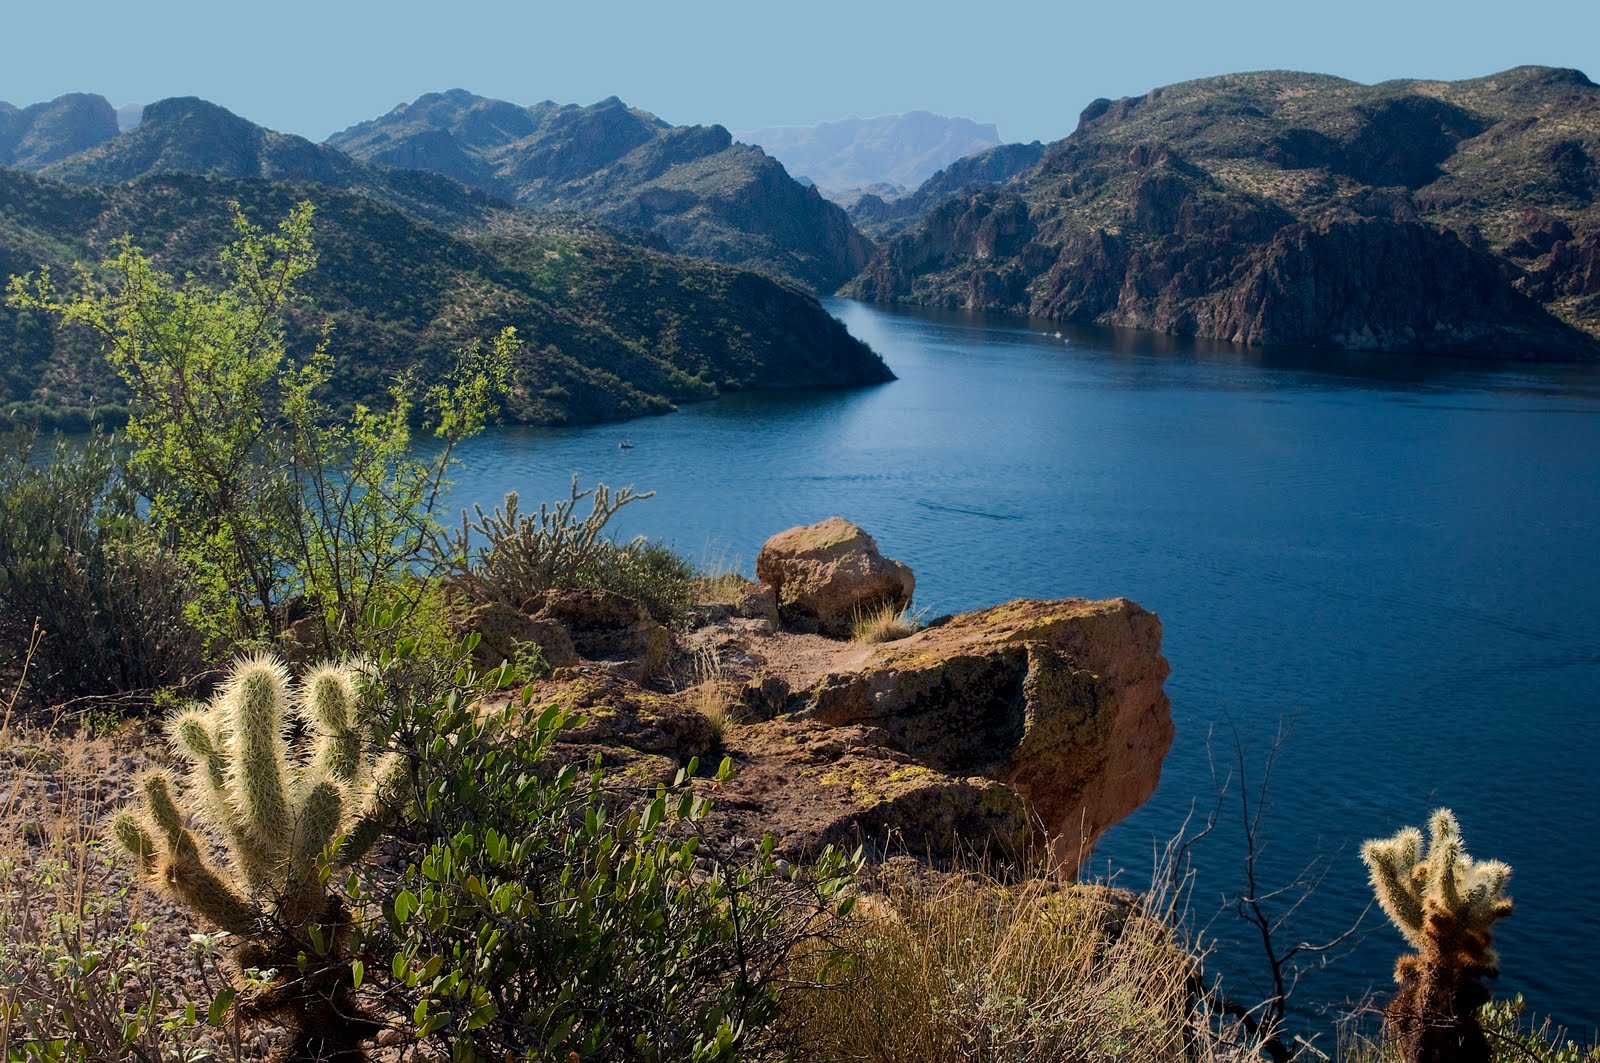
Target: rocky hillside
<point>40,134</point>
<point>900,150</point>
<point>881,218</point>
<point>703,194</point>
<point>612,329</point>
<point>1447,217</point>
<point>191,136</point>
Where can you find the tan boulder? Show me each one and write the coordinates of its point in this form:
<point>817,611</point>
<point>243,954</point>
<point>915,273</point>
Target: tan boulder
<point>827,574</point>
<point>1060,700</point>
<point>505,634</point>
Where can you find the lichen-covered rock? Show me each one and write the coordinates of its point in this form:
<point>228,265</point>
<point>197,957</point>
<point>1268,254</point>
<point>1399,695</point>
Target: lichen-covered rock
<point>827,574</point>
<point>1060,700</point>
<point>504,633</point>
<point>811,786</point>
<point>608,629</point>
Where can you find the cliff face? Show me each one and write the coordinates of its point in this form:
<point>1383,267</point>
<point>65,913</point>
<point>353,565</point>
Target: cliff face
<point>1294,209</point>
<point>881,218</point>
<point>702,193</point>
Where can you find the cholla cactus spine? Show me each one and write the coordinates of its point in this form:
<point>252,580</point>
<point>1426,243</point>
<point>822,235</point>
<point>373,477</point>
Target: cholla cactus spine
<point>278,813</point>
<point>1446,904</point>
<point>1445,883</point>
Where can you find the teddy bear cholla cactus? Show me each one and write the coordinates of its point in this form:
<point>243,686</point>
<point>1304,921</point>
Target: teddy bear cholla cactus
<point>285,816</point>
<point>1445,903</point>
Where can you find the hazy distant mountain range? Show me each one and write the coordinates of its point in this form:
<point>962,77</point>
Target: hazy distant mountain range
<point>1289,208</point>
<point>898,151</point>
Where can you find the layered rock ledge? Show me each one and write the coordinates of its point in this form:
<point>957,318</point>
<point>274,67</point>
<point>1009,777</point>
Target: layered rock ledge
<point>1004,730</point>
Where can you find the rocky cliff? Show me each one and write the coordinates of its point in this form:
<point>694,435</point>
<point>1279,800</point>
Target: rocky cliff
<point>1438,217</point>
<point>1027,727</point>
<point>881,217</point>
<point>703,194</point>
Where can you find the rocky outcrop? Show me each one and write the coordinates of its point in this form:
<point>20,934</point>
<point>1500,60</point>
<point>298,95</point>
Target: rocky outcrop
<point>1293,209</point>
<point>1003,730</point>
<point>1062,701</point>
<point>827,575</point>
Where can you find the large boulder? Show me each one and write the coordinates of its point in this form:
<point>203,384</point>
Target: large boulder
<point>827,574</point>
<point>1060,700</point>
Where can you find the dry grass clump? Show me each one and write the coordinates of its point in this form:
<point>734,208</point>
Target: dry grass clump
<point>710,696</point>
<point>718,580</point>
<point>886,623</point>
<point>971,968</point>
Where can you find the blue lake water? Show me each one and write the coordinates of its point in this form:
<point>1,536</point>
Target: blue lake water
<point>1395,561</point>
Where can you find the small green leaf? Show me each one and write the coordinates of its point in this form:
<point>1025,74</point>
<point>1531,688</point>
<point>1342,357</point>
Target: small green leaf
<point>219,1006</point>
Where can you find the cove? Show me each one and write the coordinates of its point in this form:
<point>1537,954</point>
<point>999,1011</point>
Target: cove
<point>1393,560</point>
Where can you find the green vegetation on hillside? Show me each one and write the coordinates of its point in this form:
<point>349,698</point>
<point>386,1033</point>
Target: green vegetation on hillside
<point>611,330</point>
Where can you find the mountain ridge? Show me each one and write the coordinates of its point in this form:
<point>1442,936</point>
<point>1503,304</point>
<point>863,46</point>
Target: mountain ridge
<point>1287,208</point>
<point>702,193</point>
<point>896,150</point>
<point>611,329</point>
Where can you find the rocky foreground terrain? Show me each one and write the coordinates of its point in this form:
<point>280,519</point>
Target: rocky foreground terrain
<point>1283,208</point>
<point>1030,723</point>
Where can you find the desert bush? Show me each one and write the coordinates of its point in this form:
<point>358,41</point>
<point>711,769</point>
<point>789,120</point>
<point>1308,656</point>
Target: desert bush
<point>964,966</point>
<point>77,558</point>
<point>546,913</point>
<point>1514,1036</point>
<point>273,501</point>
<point>510,557</point>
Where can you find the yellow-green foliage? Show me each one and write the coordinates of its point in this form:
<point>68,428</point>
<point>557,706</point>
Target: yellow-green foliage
<point>279,810</point>
<point>1446,904</point>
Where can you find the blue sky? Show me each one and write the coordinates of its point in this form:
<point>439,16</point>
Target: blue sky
<point>1030,67</point>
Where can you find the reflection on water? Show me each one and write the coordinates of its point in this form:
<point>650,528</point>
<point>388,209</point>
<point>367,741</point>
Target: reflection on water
<point>1392,559</point>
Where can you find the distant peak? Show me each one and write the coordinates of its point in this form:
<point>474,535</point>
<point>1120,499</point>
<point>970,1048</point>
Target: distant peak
<point>181,106</point>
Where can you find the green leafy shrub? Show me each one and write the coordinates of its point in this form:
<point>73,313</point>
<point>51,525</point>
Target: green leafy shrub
<point>275,499</point>
<point>510,558</point>
<point>547,915</point>
<point>76,557</point>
